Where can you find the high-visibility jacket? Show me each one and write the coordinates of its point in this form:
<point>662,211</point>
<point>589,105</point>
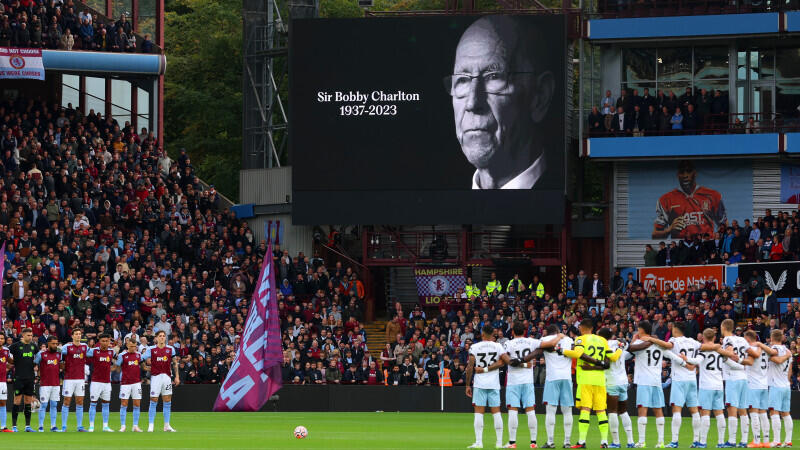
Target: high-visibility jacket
<point>472,291</point>
<point>494,285</point>
<point>539,289</point>
<point>385,377</point>
<point>518,285</point>
<point>444,377</point>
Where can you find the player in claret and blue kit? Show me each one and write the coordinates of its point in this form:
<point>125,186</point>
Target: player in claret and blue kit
<point>101,358</point>
<point>130,387</point>
<point>162,359</point>
<point>49,361</point>
<point>4,357</point>
<point>74,356</point>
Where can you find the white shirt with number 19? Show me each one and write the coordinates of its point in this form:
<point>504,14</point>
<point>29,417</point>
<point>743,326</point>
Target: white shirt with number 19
<point>520,348</point>
<point>487,353</point>
<point>647,370</point>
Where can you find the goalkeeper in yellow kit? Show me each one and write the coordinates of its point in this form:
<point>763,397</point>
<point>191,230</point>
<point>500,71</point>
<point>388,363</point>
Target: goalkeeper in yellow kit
<point>593,357</point>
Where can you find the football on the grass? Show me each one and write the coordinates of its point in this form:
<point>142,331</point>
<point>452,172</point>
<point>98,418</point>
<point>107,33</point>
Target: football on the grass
<point>300,432</point>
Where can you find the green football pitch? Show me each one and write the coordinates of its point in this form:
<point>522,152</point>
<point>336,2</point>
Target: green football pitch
<point>378,430</point>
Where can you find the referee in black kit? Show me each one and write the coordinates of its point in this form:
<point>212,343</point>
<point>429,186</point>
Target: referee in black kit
<point>22,353</point>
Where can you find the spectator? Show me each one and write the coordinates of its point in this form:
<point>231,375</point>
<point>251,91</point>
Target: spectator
<point>677,120</point>
<point>621,124</point>
<point>650,256</point>
<point>595,122</point>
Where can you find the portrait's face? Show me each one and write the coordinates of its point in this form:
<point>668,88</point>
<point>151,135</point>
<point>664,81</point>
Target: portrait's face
<point>494,99</point>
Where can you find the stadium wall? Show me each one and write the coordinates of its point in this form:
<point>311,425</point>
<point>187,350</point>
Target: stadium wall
<point>628,248</point>
<point>330,398</point>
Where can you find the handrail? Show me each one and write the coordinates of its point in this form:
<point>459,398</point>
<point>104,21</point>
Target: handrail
<point>348,258</point>
<point>658,8</point>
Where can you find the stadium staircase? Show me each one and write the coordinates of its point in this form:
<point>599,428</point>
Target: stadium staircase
<point>376,337</point>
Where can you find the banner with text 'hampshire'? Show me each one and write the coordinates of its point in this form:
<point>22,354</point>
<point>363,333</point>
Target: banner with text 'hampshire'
<point>435,284</point>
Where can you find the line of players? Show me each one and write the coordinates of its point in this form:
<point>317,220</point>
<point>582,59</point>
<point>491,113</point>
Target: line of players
<point>71,360</point>
<point>756,380</point>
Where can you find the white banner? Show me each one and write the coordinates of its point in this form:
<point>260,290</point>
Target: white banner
<point>21,63</point>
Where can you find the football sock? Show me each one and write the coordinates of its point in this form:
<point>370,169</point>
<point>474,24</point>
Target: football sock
<point>64,415</point>
<point>14,413</point>
<point>79,413</point>
<point>498,427</point>
<point>151,412</point>
<point>660,428</point>
<point>168,412</point>
<point>478,425</point>
<point>732,425</point>
<point>27,411</point>
<point>3,416</point>
<point>755,423</point>
<point>676,426</point>
<point>106,413</point>
<point>123,411</point>
<point>602,423</point>
<point>705,425</point>
<point>566,411</point>
<point>136,416</point>
<point>53,413</point>
<point>764,426</point>
<point>745,421</point>
<point>513,423</point>
<point>788,425</point>
<point>695,427</point>
<point>721,428</point>
<point>550,422</point>
<point>776,428</point>
<point>92,413</point>
<point>641,421</point>
<point>42,413</point>
<point>533,425</point>
<point>583,425</point>
<point>627,425</point>
<point>613,425</point>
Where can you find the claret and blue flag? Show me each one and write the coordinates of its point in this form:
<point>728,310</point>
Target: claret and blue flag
<point>256,372</point>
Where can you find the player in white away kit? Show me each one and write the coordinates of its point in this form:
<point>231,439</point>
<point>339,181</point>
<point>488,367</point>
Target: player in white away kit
<point>482,355</point>
<point>682,350</point>
<point>735,385</point>
<point>617,390</point>
<point>711,394</point>
<point>779,369</point>
<point>519,382</point>
<point>755,366</point>
<point>647,377</point>
<point>557,387</point>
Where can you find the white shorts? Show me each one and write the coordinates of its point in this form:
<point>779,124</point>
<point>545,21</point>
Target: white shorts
<point>160,384</point>
<point>49,394</point>
<point>3,391</point>
<point>74,388</point>
<point>100,391</point>
<point>132,391</point>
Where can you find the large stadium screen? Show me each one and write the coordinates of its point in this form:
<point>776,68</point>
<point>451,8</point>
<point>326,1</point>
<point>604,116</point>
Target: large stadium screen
<point>415,120</point>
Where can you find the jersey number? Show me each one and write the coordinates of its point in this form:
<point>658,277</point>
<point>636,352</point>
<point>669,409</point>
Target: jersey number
<point>596,352</point>
<point>714,358</point>
<point>653,357</point>
<point>482,361</point>
<point>522,354</point>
